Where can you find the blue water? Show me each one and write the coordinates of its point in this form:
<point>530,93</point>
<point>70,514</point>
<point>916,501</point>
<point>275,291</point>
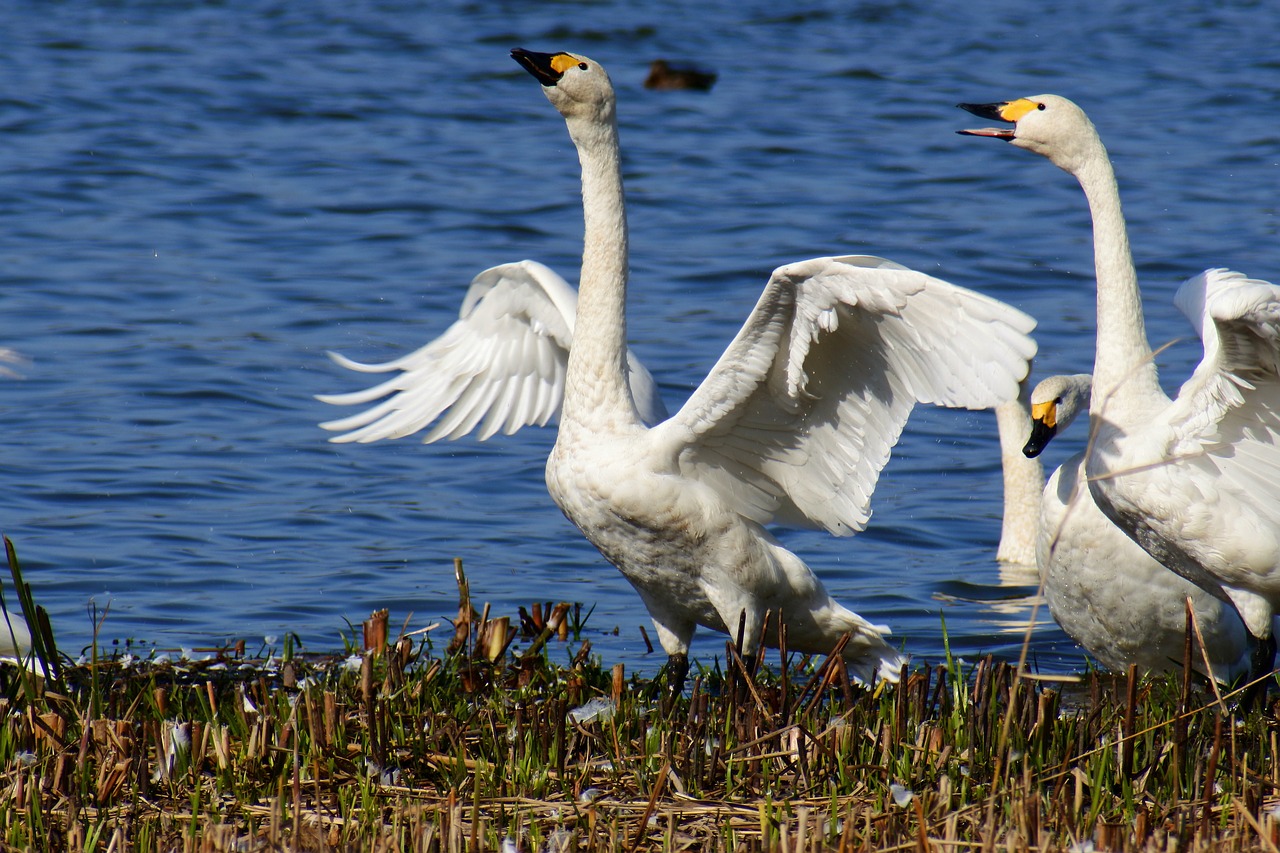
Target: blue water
<point>197,200</point>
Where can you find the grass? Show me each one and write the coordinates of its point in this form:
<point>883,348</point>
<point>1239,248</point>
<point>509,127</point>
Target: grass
<point>506,733</point>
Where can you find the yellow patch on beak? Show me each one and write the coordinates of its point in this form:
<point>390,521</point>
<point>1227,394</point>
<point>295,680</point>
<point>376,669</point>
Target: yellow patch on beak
<point>1045,413</point>
<point>562,62</point>
<point>1014,110</point>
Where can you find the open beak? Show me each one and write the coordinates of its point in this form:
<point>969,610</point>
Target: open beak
<point>994,112</point>
<point>543,66</point>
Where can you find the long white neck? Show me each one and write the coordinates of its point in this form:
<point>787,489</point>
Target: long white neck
<point>1023,483</point>
<point>596,389</point>
<point>1123,358</point>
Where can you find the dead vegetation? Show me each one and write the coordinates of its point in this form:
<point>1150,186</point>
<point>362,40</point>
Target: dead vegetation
<point>518,738</point>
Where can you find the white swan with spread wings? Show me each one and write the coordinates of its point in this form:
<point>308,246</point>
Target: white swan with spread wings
<point>792,425</point>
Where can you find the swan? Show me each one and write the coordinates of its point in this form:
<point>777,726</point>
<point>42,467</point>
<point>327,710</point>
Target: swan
<point>15,643</point>
<point>499,367</point>
<point>515,327</point>
<point>1102,588</point>
<point>1194,480</point>
<point>792,425</point>
<point>1023,480</point>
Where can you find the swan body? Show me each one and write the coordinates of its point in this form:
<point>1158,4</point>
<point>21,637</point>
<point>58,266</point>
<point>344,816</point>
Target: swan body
<point>1194,480</point>
<point>499,367</point>
<point>15,643</point>
<point>792,425</point>
<point>15,637</point>
<point>1107,593</point>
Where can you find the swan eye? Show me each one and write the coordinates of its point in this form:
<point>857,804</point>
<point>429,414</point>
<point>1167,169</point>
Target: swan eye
<point>1039,106</point>
<point>583,66</point>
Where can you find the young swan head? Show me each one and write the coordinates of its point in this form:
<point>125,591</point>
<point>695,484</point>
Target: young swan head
<point>1055,402</point>
<point>576,86</point>
<point>1049,125</point>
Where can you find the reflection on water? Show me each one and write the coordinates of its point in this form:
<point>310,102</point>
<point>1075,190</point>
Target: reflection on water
<point>1014,605</point>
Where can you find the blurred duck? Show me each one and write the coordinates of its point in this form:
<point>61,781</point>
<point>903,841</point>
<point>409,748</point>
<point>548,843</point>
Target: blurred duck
<point>665,76</point>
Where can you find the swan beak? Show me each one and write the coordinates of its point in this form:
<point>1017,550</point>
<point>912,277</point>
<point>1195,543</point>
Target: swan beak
<point>1009,111</point>
<point>547,68</point>
<point>1044,426</point>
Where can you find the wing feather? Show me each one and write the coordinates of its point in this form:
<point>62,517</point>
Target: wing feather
<point>499,367</point>
<point>797,419</point>
<point>1229,409</point>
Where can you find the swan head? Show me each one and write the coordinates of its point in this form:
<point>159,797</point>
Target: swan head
<point>575,85</point>
<point>1049,125</point>
<point>1055,402</point>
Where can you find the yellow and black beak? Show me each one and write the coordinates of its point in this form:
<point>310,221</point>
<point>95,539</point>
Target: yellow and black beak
<point>1044,426</point>
<point>1009,111</point>
<point>547,68</point>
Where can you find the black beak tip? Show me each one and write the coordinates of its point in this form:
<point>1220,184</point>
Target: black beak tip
<point>982,110</point>
<point>1039,439</point>
<point>537,64</point>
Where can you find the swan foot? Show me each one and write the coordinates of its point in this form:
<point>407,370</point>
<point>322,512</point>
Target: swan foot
<point>1261,666</point>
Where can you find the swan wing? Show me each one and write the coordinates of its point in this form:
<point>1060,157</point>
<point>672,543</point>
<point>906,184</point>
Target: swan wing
<point>796,420</point>
<point>499,367</point>
<point>1229,410</point>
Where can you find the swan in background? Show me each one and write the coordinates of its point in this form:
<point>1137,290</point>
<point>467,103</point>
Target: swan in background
<point>1194,480</point>
<point>15,643</point>
<point>1108,594</point>
<point>499,367</point>
<point>793,424</point>
<point>1023,478</point>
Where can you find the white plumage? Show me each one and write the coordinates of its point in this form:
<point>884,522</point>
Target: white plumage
<point>1023,481</point>
<point>498,368</point>
<point>15,643</point>
<point>1194,480</point>
<point>792,425</point>
<point>1108,594</point>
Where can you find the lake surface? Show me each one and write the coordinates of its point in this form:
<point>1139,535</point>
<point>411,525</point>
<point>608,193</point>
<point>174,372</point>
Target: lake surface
<point>198,200</point>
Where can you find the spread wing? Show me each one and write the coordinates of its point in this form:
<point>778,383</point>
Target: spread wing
<point>1230,407</point>
<point>797,419</point>
<point>499,367</point>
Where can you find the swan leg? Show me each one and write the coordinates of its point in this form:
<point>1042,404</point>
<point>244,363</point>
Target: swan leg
<point>1261,666</point>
